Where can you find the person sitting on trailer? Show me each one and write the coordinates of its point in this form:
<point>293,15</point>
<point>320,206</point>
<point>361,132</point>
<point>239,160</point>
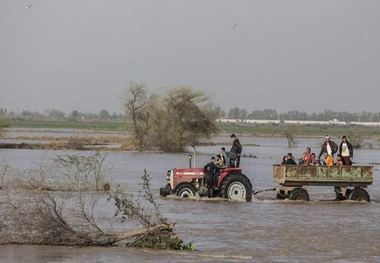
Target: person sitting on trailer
<point>314,160</point>
<point>306,157</point>
<point>329,160</point>
<point>288,160</point>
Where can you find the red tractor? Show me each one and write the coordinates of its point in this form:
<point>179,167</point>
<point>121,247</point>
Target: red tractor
<point>230,183</point>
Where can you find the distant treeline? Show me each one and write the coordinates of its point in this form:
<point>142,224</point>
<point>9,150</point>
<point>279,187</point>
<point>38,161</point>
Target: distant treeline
<point>56,115</point>
<point>218,112</point>
<point>327,115</point>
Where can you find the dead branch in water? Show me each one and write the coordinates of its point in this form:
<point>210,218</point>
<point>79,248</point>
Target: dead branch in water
<point>82,217</point>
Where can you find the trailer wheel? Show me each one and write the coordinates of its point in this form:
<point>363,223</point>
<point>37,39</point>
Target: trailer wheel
<point>299,194</point>
<point>359,194</point>
<point>237,187</point>
<point>185,190</point>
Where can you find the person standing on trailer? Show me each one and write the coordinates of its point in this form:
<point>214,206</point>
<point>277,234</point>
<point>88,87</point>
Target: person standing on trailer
<point>346,151</point>
<point>235,151</point>
<point>329,148</point>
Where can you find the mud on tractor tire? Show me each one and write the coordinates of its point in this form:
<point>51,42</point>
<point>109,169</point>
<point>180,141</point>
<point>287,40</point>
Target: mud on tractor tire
<point>236,187</point>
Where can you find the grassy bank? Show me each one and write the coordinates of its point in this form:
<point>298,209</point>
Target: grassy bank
<point>66,124</point>
<point>248,129</point>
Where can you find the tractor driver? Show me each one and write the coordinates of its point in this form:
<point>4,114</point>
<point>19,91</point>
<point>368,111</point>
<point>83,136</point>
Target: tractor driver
<point>211,170</point>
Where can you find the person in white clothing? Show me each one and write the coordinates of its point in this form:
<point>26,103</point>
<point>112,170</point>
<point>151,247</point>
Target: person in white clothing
<point>346,151</point>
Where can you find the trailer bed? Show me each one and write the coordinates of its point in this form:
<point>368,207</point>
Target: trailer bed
<point>298,175</point>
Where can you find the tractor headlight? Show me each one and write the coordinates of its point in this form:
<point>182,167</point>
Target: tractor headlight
<point>170,178</point>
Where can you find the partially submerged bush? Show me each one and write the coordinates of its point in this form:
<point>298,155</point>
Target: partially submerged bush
<point>70,173</point>
<point>82,217</point>
<point>82,172</point>
<point>170,122</point>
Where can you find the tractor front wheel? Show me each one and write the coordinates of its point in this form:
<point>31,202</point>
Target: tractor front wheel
<point>185,190</point>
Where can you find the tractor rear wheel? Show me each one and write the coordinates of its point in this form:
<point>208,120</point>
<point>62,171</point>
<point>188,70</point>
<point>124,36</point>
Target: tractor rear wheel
<point>359,194</point>
<point>237,187</point>
<point>299,194</point>
<point>185,190</point>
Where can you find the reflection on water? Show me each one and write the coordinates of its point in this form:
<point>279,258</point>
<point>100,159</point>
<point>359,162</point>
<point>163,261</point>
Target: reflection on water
<point>263,230</point>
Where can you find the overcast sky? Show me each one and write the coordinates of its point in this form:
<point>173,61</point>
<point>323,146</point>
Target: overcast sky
<point>286,55</point>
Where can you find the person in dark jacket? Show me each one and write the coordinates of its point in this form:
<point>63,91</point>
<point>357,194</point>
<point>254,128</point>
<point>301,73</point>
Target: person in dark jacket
<point>329,148</point>
<point>210,170</point>
<point>346,151</point>
<point>235,151</point>
<point>288,160</point>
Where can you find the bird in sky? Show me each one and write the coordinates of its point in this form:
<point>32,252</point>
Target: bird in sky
<point>234,26</point>
<point>30,6</point>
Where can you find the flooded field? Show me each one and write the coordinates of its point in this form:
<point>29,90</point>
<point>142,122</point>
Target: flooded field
<point>260,231</point>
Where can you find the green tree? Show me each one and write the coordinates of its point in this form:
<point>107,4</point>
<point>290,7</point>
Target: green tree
<point>3,124</point>
<point>55,114</point>
<point>169,122</point>
<point>234,113</point>
<point>75,115</point>
<point>104,114</point>
<point>180,119</point>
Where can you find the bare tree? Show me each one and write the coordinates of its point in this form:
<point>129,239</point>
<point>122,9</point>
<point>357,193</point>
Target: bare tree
<point>135,103</point>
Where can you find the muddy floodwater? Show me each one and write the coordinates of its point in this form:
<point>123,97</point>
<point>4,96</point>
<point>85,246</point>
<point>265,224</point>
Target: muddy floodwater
<point>263,230</point>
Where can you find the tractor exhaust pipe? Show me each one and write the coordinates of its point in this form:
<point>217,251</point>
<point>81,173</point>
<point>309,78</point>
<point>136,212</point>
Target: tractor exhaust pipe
<point>190,157</point>
<point>194,151</point>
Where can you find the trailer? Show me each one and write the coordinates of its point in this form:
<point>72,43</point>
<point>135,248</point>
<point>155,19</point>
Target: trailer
<point>349,182</point>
